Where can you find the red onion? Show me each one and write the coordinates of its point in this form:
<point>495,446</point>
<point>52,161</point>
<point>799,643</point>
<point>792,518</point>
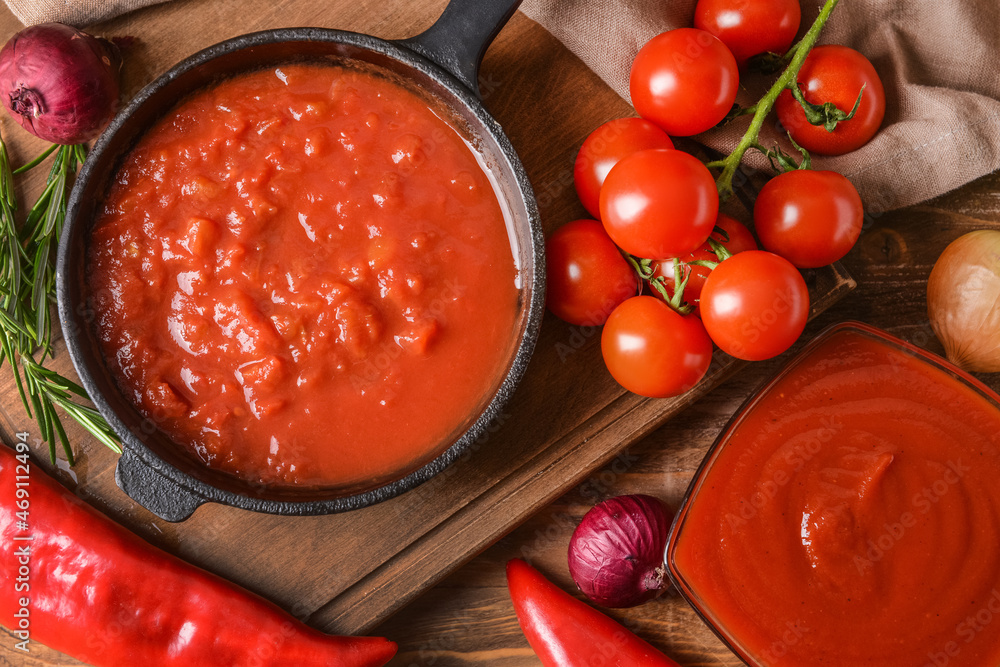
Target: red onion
<point>59,83</point>
<point>616,553</point>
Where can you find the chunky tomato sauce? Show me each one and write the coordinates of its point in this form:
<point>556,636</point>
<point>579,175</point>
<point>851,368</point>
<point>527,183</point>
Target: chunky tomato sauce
<point>303,276</point>
<point>853,517</point>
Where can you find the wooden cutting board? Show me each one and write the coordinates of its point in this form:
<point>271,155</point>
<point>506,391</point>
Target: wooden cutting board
<point>348,572</point>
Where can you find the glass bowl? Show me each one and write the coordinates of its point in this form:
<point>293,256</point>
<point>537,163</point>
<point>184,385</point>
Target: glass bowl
<point>840,519</point>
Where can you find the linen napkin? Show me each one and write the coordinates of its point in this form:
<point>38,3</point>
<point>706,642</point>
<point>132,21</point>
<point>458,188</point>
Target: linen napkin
<point>936,58</point>
<point>73,12</point>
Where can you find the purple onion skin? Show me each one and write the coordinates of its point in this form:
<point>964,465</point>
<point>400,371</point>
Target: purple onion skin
<point>616,553</point>
<point>60,84</point>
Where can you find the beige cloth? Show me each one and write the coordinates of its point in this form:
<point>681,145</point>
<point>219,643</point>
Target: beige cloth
<point>73,12</point>
<point>937,59</point>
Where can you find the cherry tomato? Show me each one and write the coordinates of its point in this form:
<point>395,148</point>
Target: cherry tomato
<point>586,276</point>
<point>652,350</point>
<point>750,28</point>
<point>740,240</point>
<point>659,203</point>
<point>603,149</point>
<point>755,305</point>
<point>684,80</point>
<point>811,218</point>
<point>835,74</point>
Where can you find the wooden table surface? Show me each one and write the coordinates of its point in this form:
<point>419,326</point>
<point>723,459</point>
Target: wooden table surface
<point>536,88</point>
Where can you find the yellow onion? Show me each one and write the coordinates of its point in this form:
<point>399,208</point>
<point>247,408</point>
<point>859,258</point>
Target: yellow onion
<point>963,301</point>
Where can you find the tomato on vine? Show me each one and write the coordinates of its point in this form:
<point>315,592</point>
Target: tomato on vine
<point>652,350</point>
<point>755,305</point>
<point>586,275</point>
<point>739,240</point>
<point>604,148</point>
<point>811,218</point>
<point>659,203</point>
<point>684,80</point>
<point>750,28</point>
<point>835,75</point>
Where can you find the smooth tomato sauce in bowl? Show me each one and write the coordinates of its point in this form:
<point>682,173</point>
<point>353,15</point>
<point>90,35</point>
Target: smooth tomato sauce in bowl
<point>851,516</point>
<point>303,276</point>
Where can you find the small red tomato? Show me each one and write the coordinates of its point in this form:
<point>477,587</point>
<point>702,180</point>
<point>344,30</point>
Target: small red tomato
<point>750,28</point>
<point>811,218</point>
<point>740,240</point>
<point>835,74</point>
<point>652,350</point>
<point>659,203</point>
<point>586,275</point>
<point>602,150</point>
<point>684,80</point>
<point>755,305</point>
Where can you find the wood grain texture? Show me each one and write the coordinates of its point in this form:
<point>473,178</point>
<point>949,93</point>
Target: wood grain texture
<point>569,418</point>
<point>468,619</point>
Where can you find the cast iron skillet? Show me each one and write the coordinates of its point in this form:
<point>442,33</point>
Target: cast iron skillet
<point>443,62</point>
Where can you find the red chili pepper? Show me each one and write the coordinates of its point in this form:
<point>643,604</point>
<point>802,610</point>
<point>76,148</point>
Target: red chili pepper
<point>77,582</point>
<point>565,632</point>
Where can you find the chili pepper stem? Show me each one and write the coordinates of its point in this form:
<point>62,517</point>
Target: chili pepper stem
<point>731,163</point>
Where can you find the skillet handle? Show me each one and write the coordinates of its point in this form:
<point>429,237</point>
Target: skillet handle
<point>459,38</point>
<point>153,491</point>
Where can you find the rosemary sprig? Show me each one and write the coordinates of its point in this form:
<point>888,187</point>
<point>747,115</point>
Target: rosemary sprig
<point>49,389</point>
<point>27,283</point>
<point>14,333</point>
<point>13,258</point>
<point>41,233</point>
